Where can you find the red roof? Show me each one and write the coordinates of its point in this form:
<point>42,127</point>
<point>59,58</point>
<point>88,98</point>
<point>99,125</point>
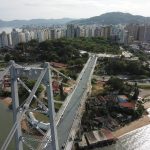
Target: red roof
<point>57,65</point>
<point>128,105</point>
<point>107,133</point>
<point>55,86</point>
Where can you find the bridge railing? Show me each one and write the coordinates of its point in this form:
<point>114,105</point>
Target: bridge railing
<point>79,112</point>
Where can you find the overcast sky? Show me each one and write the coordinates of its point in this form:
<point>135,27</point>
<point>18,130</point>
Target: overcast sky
<point>32,9</point>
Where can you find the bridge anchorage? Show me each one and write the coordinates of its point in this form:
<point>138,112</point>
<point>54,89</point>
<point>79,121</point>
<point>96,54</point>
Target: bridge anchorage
<point>62,126</point>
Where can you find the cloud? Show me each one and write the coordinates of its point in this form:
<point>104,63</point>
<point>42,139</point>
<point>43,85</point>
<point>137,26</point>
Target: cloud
<point>28,9</point>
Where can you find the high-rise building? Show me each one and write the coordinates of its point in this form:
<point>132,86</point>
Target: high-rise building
<point>0,41</point>
<point>46,35</point>
<point>70,31</point>
<point>53,34</point>
<point>86,31</point>
<point>141,34</point>
<point>133,30</point>
<point>28,36</point>
<point>147,34</point>
<point>77,31</point>
<point>97,32</point>
<point>106,32</point>
<point>82,32</point>
<point>15,37</point>
<point>57,33</point>
<point>22,37</point>
<point>63,32</point>
<point>40,35</point>
<point>9,39</point>
<point>4,39</point>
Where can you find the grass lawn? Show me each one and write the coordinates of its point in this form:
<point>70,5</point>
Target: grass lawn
<point>97,89</point>
<point>44,118</point>
<point>144,86</point>
<point>41,117</point>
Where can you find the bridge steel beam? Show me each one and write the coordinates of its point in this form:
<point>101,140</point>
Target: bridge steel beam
<point>48,83</point>
<point>15,103</point>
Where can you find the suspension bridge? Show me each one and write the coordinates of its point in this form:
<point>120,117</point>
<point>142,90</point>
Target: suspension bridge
<point>64,124</point>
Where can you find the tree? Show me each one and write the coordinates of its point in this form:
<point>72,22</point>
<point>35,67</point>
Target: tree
<point>115,83</point>
<point>61,91</point>
<point>140,110</point>
<point>136,93</point>
<point>7,57</point>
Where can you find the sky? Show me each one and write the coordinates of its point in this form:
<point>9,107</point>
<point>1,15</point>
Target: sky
<point>47,9</point>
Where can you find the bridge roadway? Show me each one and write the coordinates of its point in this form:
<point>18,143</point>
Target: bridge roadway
<point>65,124</point>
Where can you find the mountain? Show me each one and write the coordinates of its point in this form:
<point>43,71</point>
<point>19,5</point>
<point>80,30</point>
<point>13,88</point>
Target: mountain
<point>112,18</point>
<point>105,19</point>
<point>38,22</point>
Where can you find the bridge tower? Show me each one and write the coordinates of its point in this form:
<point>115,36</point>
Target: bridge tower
<point>49,90</point>
<point>15,104</point>
<point>41,75</point>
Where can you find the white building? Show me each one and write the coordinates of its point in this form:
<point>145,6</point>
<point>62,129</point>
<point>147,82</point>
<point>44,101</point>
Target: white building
<point>22,37</point>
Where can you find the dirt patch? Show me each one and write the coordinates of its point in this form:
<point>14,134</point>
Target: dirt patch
<point>6,101</point>
<point>97,88</point>
<point>24,126</point>
<point>146,105</point>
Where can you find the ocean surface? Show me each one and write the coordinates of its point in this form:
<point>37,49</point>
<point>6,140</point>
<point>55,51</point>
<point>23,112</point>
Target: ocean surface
<point>6,123</point>
<point>138,139</point>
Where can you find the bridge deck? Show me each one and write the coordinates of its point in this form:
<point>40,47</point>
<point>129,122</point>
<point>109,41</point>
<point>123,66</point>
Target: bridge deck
<point>66,122</point>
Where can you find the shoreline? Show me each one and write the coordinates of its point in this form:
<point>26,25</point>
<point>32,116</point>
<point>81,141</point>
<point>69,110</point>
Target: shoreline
<point>141,122</point>
<point>6,101</point>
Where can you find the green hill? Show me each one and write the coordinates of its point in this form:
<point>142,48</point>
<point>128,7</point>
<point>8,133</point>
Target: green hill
<point>113,18</point>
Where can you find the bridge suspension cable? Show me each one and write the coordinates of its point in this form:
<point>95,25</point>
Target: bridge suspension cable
<point>29,99</point>
<point>25,86</point>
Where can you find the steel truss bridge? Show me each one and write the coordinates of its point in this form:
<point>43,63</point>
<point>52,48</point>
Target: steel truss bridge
<point>65,123</point>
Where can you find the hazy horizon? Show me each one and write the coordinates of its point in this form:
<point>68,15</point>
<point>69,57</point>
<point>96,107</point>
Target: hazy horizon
<point>70,18</point>
<point>76,9</point>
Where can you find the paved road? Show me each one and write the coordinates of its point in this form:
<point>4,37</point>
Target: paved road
<point>66,122</point>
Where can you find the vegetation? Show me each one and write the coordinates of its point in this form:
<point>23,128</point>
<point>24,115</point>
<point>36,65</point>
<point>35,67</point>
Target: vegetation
<point>120,66</point>
<point>118,86</point>
<point>103,113</point>
<point>140,109</point>
<point>61,50</point>
<point>5,93</point>
<point>141,55</point>
<point>115,83</point>
<point>114,18</point>
<point>144,86</point>
<point>7,57</point>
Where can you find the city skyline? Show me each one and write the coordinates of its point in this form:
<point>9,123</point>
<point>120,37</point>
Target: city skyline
<point>56,9</point>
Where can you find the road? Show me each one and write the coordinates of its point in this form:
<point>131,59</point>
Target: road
<point>64,127</point>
